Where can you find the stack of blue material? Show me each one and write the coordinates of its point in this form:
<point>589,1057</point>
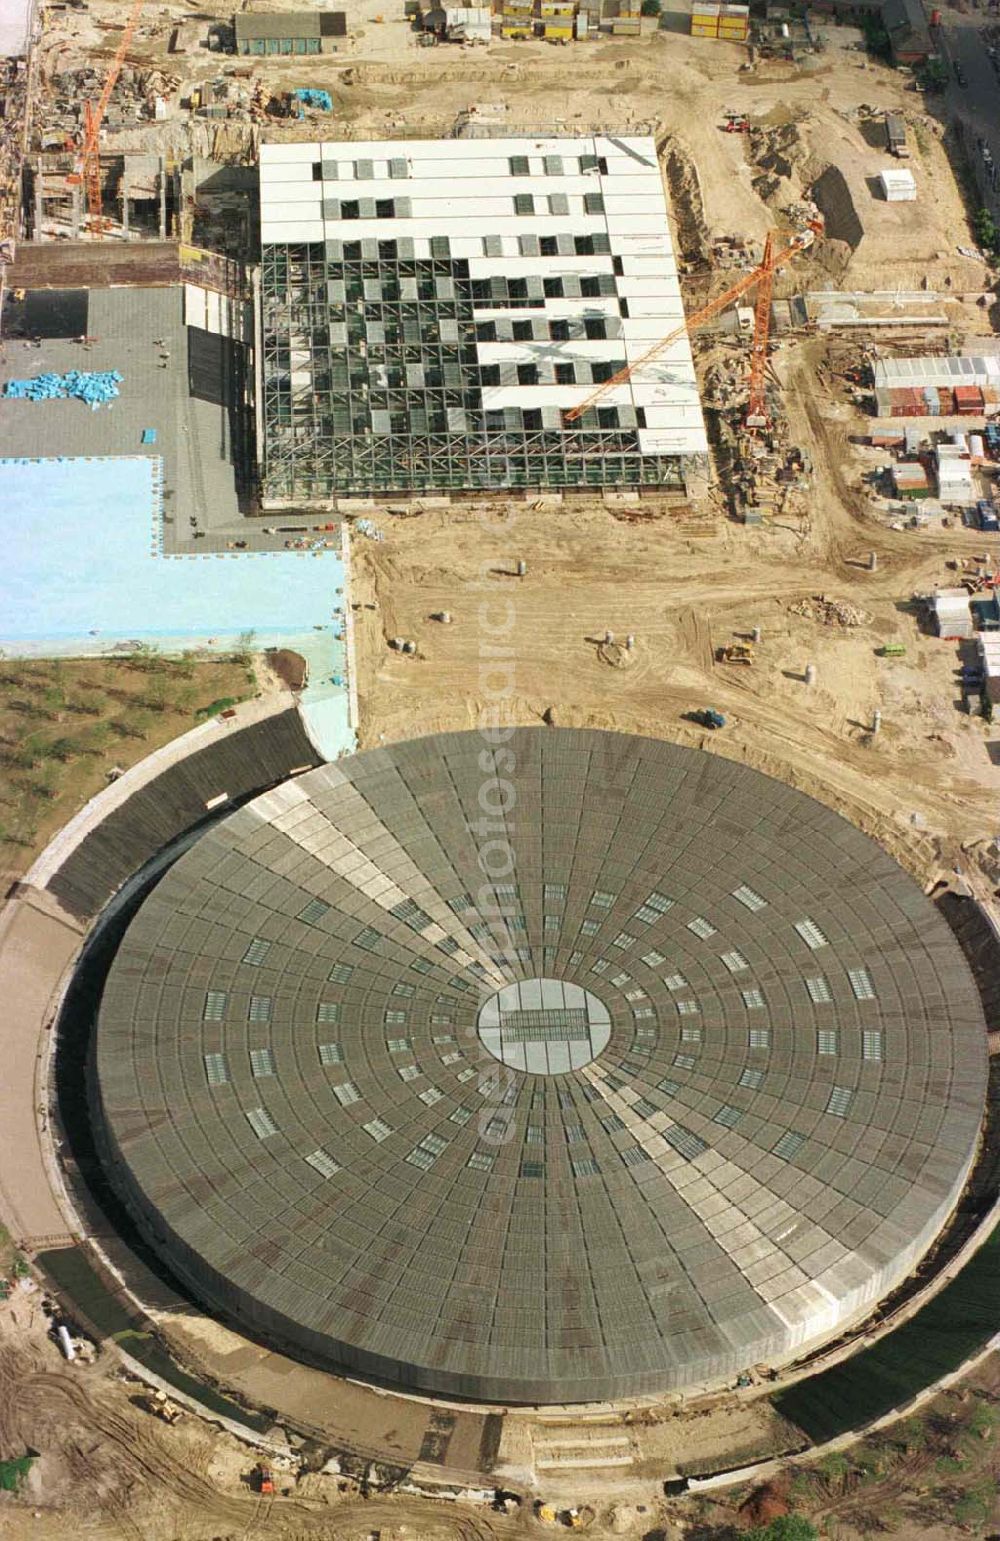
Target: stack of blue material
<point>96,389</point>
<point>313,98</point>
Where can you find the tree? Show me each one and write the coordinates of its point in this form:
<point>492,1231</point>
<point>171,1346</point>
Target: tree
<point>788,1527</point>
<point>986,230</point>
<point>651,7</point>
<point>245,643</point>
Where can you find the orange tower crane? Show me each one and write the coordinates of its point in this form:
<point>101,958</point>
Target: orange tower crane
<point>763,278</point>
<point>89,165</point>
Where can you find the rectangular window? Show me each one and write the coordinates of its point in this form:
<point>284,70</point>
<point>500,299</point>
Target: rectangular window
<point>612,1123</point>
<point>555,893</point>
<point>789,1145</point>
<point>466,1074</point>
<point>257,951</point>
<point>460,1115</point>
<point>645,914</point>
<point>524,203</point>
<point>675,982</point>
<point>727,1116</point>
<point>558,204</point>
<point>378,1129</point>
<point>643,1107</point>
<point>216,1069</point>
<point>819,990</point>
<point>408,1072</point>
<point>532,1168</point>
<point>480,1161</point>
<point>399,1045</point>
<point>634,1155</point>
<point>826,1041</point>
<point>871,1044</point>
<point>684,1141</point>
<point>261,1062</point>
<point>215,1006</point>
<point>602,899</point>
<point>601,966</point>
<point>701,927</point>
<point>368,939</point>
<point>259,1009</point>
<point>624,941</point>
<point>409,911</point>
<point>653,959</point>
<point>422,965</point>
<point>687,1008</point>
<point>553,165</point>
<point>630,995</point>
<point>451,1059</point>
<point>753,1000</point>
<point>589,927</point>
<point>322,1163</point>
<point>685,1061</point>
<point>420,1158</point>
<point>690,1034</point>
<point>330,1054</point>
<point>751,1078</point>
<point>313,912</point>
<point>394,1018</point>
<point>643,1011</point>
<point>861,984</point>
<point>596,329</point>
<point>403,989</point>
<point>565,374</point>
<point>759,1038</point>
<point>519,166</point>
<point>586,1166</point>
<point>430,1095</point>
<point>669,1087</point>
<point>328,1011</point>
<point>261,1123</point>
<point>735,962</point>
<point>340,973</point>
<point>810,933</point>
<point>346,1093</point>
<point>839,1101</point>
<point>593,203</point>
<point>748,897</point>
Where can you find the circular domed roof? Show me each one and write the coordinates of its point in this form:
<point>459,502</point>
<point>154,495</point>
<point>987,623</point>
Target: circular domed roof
<point>608,1067</point>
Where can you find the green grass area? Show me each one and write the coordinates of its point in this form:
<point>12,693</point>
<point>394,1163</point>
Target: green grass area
<point>66,723</point>
<point>13,1472</point>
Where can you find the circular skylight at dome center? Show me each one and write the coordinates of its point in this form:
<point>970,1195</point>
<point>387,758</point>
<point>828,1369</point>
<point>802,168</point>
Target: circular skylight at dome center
<point>544,1026</point>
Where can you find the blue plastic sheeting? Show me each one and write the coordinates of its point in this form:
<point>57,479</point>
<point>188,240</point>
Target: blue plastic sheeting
<point>321,99</point>
<point>82,385</point>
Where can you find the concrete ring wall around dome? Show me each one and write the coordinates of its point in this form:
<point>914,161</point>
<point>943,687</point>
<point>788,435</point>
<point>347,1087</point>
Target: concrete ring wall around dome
<point>689,1089</point>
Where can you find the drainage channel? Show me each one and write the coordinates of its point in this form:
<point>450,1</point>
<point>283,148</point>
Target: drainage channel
<point>949,1329</point>
<point>86,1295</point>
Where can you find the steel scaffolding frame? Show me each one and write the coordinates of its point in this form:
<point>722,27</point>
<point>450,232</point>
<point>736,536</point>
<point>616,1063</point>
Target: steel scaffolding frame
<point>372,383</point>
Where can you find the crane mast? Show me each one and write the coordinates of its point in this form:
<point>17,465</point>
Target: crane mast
<point>761,277</point>
<point>93,119</point>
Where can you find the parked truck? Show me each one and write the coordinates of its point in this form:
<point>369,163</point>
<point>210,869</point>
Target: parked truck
<point>895,136</point>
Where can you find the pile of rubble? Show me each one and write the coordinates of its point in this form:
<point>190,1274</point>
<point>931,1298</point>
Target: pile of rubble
<point>832,612</point>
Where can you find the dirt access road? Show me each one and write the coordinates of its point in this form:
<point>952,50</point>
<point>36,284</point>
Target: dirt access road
<point>684,586</point>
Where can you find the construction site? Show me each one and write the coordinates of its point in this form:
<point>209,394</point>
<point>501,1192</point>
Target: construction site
<point>609,376</point>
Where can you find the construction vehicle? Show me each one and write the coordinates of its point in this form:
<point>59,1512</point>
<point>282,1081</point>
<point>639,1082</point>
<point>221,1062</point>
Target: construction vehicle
<point>892,650</point>
<point>88,166</point>
<point>736,123</point>
<point>735,652</point>
<point>161,1406</point>
<point>263,1481</point>
<point>761,278</point>
<point>708,717</point>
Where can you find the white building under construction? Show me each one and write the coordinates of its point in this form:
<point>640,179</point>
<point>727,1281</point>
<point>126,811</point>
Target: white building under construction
<point>430,310</point>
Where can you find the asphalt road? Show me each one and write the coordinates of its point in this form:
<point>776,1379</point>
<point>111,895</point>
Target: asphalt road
<point>976,106</point>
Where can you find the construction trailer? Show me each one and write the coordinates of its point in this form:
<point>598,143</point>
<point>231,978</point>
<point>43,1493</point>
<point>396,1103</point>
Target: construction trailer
<point>944,373</point>
<point>952,614</point>
<point>289,32</point>
<point>711,19</point>
<point>897,185</point>
<point>988,647</point>
<point>910,480</point>
<point>954,473</point>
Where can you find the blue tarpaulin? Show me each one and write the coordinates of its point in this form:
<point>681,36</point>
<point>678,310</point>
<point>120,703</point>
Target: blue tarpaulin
<point>82,385</point>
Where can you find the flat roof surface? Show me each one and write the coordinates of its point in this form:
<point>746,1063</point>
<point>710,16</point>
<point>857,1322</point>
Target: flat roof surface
<point>82,561</point>
<point>706,1090</point>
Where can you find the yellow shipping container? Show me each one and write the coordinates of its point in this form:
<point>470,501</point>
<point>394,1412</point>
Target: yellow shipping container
<point>733,34</point>
<point>708,31</point>
<point>559,32</point>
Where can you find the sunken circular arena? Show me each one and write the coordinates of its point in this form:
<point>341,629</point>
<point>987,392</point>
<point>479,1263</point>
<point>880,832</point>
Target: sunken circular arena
<point>575,1068</point>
